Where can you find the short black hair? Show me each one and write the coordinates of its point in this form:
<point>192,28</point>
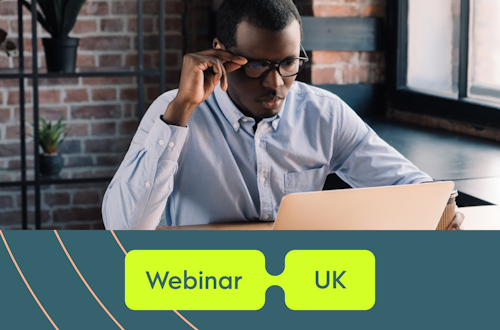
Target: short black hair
<point>273,15</point>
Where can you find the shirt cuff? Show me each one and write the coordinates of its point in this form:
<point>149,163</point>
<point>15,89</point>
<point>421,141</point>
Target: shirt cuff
<point>165,141</point>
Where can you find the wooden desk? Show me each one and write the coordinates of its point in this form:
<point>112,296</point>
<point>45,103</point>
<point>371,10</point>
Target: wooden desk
<point>225,226</point>
<point>476,218</point>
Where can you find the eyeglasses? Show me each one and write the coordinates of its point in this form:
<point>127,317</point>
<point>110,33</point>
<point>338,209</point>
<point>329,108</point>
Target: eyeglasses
<point>288,67</point>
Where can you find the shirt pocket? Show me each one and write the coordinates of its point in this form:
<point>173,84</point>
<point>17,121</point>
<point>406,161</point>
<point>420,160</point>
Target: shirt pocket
<point>304,181</point>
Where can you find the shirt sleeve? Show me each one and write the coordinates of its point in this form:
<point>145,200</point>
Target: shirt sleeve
<point>138,193</point>
<point>363,159</point>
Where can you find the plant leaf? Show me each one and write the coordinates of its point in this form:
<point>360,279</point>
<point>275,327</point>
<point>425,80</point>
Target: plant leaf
<point>71,9</point>
<point>41,19</point>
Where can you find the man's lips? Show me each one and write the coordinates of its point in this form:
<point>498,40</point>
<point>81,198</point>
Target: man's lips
<point>271,102</point>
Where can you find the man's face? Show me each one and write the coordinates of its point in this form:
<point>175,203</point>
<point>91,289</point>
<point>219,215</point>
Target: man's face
<point>262,97</point>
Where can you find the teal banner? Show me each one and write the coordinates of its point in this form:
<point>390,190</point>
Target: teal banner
<point>76,280</point>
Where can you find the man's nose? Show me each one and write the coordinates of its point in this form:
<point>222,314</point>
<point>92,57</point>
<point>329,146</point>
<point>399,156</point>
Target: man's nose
<point>273,80</point>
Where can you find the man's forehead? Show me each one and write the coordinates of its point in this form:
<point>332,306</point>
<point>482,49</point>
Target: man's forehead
<point>259,43</point>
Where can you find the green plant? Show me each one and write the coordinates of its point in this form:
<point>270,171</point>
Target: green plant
<point>51,136</point>
<point>59,16</point>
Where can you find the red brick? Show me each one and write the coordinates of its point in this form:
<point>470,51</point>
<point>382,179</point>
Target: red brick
<point>104,94</point>
<point>150,7</point>
<point>128,94</point>
<point>105,43</point>
<point>4,115</point>
<point>107,81</point>
<point>45,112</point>
<point>55,81</point>
<point>147,25</point>
<point>4,24</point>
<point>13,97</point>
<point>324,76</point>
<point>16,163</point>
<point>13,132</point>
<point>99,129</point>
<point>8,8</point>
<point>6,202</point>
<point>82,226</point>
<point>84,26</point>
<point>332,57</point>
<point>131,60</point>
<point>335,11</point>
<point>354,74</point>
<point>10,149</point>
<point>107,145</point>
<point>124,7</point>
<point>112,25</point>
<point>9,83</point>
<point>110,60</point>
<point>79,129</point>
<point>128,127</point>
<point>109,160</point>
<point>76,95</point>
<point>77,214</point>
<point>152,92</point>
<point>85,60</point>
<point>174,7</point>
<point>56,198</point>
<point>26,26</point>
<point>27,44</point>
<point>95,112</point>
<point>30,200</point>
<point>4,61</point>
<point>80,161</point>
<point>86,197</point>
<point>373,11</point>
<point>1,97</point>
<point>49,96</point>
<point>95,9</point>
<point>173,24</point>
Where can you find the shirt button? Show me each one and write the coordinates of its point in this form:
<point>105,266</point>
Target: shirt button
<point>245,120</point>
<point>266,216</point>
<point>235,125</point>
<point>262,179</point>
<point>148,184</point>
<point>258,141</point>
<point>161,142</point>
<point>171,144</point>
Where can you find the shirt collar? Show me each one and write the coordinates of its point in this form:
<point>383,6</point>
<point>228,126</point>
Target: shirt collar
<point>233,115</point>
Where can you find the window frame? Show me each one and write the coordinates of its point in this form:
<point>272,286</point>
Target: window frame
<point>404,98</point>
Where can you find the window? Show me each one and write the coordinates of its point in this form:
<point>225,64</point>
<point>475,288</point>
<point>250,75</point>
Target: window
<point>445,59</point>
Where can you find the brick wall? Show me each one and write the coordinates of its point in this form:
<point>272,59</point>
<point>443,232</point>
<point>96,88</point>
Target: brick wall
<point>344,67</point>
<point>103,112</point>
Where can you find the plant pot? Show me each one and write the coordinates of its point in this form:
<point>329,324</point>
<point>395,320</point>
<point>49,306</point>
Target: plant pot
<point>60,54</point>
<point>50,164</point>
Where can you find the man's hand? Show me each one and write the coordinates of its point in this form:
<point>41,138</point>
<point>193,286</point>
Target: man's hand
<point>457,221</point>
<point>201,72</point>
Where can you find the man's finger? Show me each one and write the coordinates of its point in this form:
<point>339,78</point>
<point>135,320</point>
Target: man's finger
<point>231,66</point>
<point>224,55</point>
<point>457,221</point>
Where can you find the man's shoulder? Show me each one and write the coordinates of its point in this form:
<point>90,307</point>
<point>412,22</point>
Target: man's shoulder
<point>309,92</point>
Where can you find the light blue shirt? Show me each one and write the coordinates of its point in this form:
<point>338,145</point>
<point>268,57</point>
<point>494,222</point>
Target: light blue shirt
<point>217,169</point>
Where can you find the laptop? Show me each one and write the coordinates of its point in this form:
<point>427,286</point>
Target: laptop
<point>402,207</point>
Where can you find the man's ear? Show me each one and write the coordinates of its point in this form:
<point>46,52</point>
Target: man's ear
<point>218,45</point>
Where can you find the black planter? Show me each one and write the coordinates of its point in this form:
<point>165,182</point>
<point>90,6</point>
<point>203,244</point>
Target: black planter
<point>60,54</point>
<point>50,164</point>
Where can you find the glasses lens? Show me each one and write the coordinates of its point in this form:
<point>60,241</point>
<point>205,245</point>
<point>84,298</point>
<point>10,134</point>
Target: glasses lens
<point>256,69</point>
<point>290,67</point>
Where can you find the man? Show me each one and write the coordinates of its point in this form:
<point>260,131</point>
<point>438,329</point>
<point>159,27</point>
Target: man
<point>240,133</point>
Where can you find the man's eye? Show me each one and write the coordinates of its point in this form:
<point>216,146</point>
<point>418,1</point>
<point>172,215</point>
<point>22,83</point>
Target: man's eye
<point>288,63</point>
<point>254,65</point>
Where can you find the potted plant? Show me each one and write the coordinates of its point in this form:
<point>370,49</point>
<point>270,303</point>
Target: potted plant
<point>58,19</point>
<point>51,137</point>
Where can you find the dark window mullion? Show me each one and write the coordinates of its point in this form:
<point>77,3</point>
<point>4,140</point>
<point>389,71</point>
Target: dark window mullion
<point>463,69</point>
<point>402,45</point>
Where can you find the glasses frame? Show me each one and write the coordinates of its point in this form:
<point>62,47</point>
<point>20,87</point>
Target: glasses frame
<point>276,65</point>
